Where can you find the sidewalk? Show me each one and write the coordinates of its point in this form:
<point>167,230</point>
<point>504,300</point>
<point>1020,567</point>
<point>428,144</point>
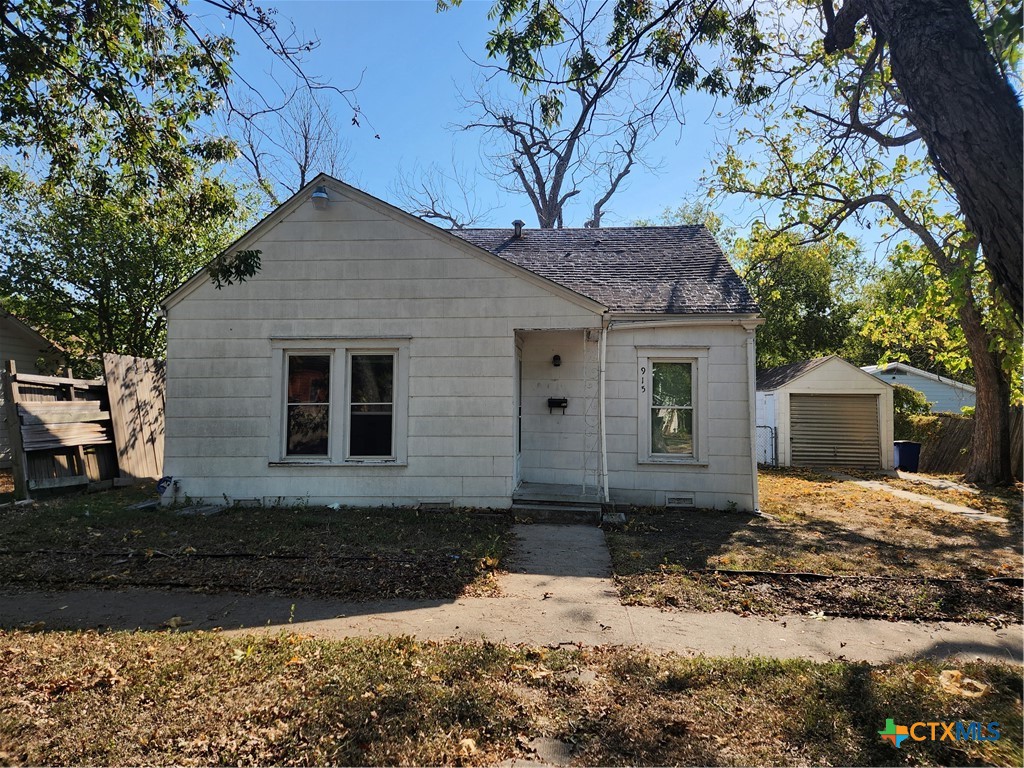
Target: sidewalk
<point>558,592</point>
<point>920,498</point>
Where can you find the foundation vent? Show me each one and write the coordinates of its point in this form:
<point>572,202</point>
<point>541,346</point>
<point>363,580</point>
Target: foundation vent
<point>680,501</point>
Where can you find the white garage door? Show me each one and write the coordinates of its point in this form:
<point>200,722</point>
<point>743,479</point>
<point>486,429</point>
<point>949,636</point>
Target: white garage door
<point>834,430</point>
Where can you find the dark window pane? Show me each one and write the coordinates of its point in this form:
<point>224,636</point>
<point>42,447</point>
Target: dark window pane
<point>370,422</point>
<point>309,378</point>
<point>370,434</point>
<point>307,430</point>
<point>671,384</point>
<point>672,431</point>
<point>372,377</point>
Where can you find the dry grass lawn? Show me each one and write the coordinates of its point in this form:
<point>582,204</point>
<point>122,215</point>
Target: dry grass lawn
<point>822,526</point>
<point>201,699</point>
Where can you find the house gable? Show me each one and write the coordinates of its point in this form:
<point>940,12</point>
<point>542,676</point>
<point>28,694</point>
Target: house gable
<point>878,371</point>
<point>367,219</point>
<point>831,370</point>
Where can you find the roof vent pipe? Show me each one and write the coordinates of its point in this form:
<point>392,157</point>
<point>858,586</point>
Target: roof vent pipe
<point>518,226</point>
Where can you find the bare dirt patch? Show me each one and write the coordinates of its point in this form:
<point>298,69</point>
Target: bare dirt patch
<point>353,554</point>
<point>904,560</point>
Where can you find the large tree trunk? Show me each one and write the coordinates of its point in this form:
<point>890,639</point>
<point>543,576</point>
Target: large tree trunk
<point>990,446</point>
<point>966,112</point>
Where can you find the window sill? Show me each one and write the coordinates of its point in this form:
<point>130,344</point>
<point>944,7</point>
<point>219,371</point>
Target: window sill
<point>688,462</point>
<point>327,463</point>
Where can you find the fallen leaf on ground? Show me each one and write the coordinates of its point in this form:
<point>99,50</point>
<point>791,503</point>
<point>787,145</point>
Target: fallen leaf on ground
<point>954,681</point>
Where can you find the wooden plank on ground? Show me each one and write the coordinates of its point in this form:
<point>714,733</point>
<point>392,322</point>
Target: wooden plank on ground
<point>50,483</point>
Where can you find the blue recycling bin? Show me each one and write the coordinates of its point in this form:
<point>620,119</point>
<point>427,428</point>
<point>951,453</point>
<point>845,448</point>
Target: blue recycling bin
<point>907,455</point>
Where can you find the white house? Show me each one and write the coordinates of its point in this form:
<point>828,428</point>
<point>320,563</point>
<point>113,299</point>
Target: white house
<point>31,353</point>
<point>377,359</point>
<point>824,412</point>
<point>944,395</point>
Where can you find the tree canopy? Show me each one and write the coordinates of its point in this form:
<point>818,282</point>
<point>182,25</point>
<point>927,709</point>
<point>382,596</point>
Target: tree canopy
<point>88,262</point>
<point>938,62</point>
<point>127,82</point>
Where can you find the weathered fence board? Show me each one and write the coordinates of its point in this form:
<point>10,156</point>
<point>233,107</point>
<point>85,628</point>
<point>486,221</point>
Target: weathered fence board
<point>135,388</point>
<point>949,451</point>
<point>67,432</point>
<point>59,430</point>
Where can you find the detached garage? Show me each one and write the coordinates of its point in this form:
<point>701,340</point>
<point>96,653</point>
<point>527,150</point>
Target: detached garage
<point>824,413</point>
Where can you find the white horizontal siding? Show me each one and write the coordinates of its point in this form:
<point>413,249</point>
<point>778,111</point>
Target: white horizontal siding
<point>725,478</point>
<point>943,397</point>
<point>350,272</point>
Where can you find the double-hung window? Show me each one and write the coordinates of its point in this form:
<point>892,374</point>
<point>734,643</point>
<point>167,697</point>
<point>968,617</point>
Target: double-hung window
<point>340,403</point>
<point>672,405</point>
<point>671,408</point>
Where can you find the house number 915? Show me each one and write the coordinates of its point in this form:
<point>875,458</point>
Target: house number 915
<point>643,379</point>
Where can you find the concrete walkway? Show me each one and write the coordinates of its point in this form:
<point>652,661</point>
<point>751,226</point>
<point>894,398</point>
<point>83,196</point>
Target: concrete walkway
<point>558,592</point>
<point>920,498</point>
<point>936,482</point>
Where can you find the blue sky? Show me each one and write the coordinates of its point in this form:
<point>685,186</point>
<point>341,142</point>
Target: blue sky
<point>412,61</point>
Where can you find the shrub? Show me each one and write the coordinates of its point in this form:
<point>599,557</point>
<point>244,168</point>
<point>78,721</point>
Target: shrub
<point>907,402</point>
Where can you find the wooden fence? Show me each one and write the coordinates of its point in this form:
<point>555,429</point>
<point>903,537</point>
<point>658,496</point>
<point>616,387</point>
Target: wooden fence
<point>85,432</point>
<point>949,451</point>
<point>135,389</point>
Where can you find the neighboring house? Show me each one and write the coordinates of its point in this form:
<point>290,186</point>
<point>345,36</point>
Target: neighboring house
<point>376,359</point>
<point>824,412</point>
<point>28,349</point>
<point>944,395</point>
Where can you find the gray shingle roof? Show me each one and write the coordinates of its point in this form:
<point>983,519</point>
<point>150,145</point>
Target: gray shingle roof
<point>676,270</point>
<point>773,378</point>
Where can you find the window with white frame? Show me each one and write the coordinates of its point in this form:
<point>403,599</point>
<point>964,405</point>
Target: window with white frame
<point>371,422</point>
<point>308,405</point>
<point>671,408</point>
<point>342,403</point>
<point>672,405</point>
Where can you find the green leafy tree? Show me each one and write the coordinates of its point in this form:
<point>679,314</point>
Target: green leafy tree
<point>598,82</point>
<point>126,82</point>
<point>907,403</point>
<point>938,71</point>
<point>807,292</point>
<point>89,261</point>
<point>845,149</point>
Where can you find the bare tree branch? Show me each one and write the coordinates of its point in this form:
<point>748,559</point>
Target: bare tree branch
<point>438,195</point>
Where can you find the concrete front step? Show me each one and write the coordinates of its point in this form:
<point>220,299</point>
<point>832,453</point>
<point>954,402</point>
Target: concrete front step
<point>559,514</point>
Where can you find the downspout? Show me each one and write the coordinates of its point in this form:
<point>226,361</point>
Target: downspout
<point>752,412</point>
<point>602,357</point>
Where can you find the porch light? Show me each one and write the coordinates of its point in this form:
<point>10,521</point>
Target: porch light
<point>556,360</point>
<point>320,198</point>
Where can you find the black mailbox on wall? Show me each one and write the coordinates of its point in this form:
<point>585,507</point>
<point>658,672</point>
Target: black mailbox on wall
<point>557,402</point>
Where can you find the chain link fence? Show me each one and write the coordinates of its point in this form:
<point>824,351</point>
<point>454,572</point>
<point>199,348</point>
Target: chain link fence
<point>767,446</point>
